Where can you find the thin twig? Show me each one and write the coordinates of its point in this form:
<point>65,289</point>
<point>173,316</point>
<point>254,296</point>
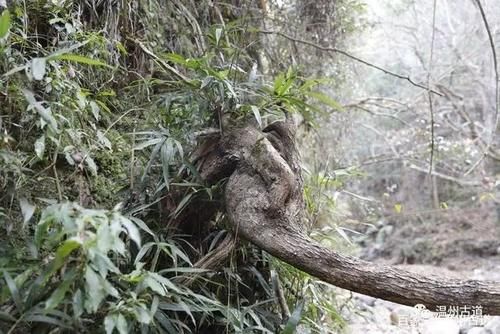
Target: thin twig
<point>161,62</point>
<point>362,198</point>
<point>132,159</point>
<point>464,183</point>
<point>371,112</point>
<point>429,95</point>
<point>120,118</point>
<point>410,163</point>
<point>56,177</point>
<point>194,23</point>
<point>348,55</point>
<point>280,296</point>
<point>495,64</point>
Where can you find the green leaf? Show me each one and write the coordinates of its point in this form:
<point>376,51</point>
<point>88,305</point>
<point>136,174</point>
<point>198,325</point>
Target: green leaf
<point>325,99</point>
<point>109,323</point>
<point>104,264</point>
<point>95,291</point>
<point>154,306</point>
<point>142,225</point>
<point>27,209</point>
<point>167,156</point>
<point>103,139</point>
<point>78,303</point>
<point>133,231</point>
<point>343,235</point>
<point>165,322</point>
<point>66,248</point>
<point>4,23</point>
<point>142,314</point>
<point>177,252</point>
<point>186,309</point>
<point>256,114</point>
<point>149,142</point>
<point>294,319</point>
<point>95,110</point>
<point>218,34</point>
<point>120,47</point>
<point>59,293</point>
<point>79,59</point>
<point>117,321</point>
<point>62,253</point>
<point>90,163</point>
<point>185,200</point>
<point>46,319</point>
<point>176,58</point>
<point>121,324</point>
<point>284,82</point>
<point>41,231</point>
<point>14,292</point>
<point>4,316</point>
<point>164,281</point>
<point>278,82</point>
<point>180,150</point>
<point>44,113</point>
<point>154,285</point>
<point>206,81</point>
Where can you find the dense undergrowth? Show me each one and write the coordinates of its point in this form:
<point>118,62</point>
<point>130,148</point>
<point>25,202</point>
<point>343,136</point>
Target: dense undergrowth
<point>101,106</point>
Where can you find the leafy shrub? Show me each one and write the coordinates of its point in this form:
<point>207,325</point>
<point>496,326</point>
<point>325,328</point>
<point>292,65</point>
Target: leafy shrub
<point>105,103</point>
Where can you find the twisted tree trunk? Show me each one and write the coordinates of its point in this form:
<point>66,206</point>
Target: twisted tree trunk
<point>263,198</point>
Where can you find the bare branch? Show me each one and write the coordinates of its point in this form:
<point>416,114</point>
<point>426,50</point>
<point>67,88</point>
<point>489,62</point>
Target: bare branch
<point>161,62</point>
<point>431,110</point>
<point>348,55</point>
<point>495,64</point>
<point>468,183</point>
<point>374,113</point>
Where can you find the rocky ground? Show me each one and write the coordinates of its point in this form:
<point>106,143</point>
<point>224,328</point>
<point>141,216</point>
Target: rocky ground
<point>464,243</point>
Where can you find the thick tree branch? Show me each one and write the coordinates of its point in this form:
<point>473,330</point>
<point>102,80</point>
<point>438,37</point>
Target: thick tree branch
<point>268,211</point>
<point>375,280</point>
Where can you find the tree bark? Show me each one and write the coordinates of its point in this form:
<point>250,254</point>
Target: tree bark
<point>264,202</point>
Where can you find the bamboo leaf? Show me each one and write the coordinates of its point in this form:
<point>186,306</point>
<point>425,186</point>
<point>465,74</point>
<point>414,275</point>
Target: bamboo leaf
<point>294,319</point>
<point>4,23</point>
<point>325,99</point>
<point>44,113</point>
<point>59,293</point>
<point>133,231</point>
<point>79,59</point>
<point>218,34</point>
<point>46,319</point>
<point>142,225</point>
<point>14,291</point>
<point>256,114</point>
<point>148,143</point>
<point>4,316</point>
<point>27,209</point>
